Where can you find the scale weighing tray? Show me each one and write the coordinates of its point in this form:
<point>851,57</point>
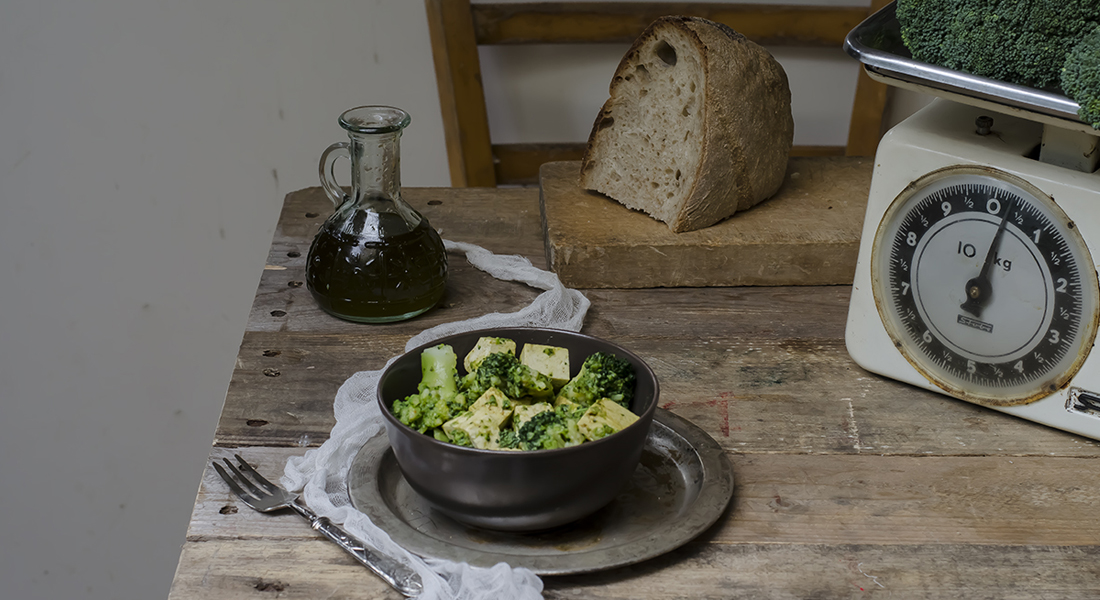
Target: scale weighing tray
<point>877,43</point>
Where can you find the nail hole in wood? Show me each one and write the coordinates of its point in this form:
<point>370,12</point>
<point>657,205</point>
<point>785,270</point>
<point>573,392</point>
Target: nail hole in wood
<point>270,586</point>
<point>255,422</point>
<point>294,284</point>
<point>278,313</point>
<point>293,254</point>
<point>270,353</point>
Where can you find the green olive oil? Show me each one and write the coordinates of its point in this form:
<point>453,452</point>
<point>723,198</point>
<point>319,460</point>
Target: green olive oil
<point>370,280</point>
<point>376,259</point>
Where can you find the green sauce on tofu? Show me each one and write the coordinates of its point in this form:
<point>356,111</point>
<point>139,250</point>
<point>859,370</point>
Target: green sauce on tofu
<point>527,402</point>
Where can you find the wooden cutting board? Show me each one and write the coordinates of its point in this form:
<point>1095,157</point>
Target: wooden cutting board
<point>807,234</point>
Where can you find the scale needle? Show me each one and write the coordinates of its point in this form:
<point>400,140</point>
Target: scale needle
<point>980,289</point>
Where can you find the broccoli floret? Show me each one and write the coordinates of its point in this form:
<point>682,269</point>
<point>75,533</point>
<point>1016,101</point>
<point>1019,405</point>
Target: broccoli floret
<point>429,409</point>
<point>438,399</point>
<point>1025,43</point>
<point>550,429</point>
<point>508,439</point>
<point>439,368</point>
<point>459,438</point>
<point>603,375</point>
<point>503,371</point>
<point>1081,77</point>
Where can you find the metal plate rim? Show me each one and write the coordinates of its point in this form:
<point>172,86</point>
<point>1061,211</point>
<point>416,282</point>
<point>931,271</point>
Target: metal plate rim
<point>714,493</point>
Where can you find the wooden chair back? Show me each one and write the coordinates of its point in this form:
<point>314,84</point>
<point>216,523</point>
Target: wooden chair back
<point>458,27</point>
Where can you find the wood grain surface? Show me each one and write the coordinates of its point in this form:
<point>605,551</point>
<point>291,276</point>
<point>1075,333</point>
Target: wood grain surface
<point>807,234</point>
<point>847,485</point>
<point>623,22</point>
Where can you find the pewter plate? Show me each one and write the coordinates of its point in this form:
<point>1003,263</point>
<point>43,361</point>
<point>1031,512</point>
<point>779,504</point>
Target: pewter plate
<point>682,485</point>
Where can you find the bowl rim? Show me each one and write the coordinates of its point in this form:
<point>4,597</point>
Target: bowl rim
<point>646,415</point>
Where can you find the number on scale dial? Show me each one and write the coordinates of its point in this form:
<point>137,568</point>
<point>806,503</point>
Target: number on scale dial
<point>985,285</point>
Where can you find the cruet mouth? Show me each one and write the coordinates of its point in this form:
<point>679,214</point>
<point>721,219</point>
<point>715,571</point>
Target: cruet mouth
<point>374,119</point>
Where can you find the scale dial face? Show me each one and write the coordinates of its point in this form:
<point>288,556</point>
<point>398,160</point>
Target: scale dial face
<point>985,286</point>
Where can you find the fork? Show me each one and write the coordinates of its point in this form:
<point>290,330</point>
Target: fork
<point>262,495</point>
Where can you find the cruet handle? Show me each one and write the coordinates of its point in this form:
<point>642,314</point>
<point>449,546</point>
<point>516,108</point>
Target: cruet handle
<point>328,178</point>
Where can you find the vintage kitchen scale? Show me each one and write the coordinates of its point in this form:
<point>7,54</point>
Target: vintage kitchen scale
<point>976,275</point>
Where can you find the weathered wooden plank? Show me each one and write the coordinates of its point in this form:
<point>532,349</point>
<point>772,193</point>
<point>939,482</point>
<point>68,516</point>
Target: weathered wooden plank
<point>282,390</point>
<point>284,304</point>
<point>502,220</point>
<point>807,234</point>
<point>801,572</point>
<point>219,514</point>
<point>506,222</point>
<point>743,314</point>
<point>519,164</point>
<point>766,370</point>
<point>249,569</point>
<point>920,500</point>
<point>798,499</point>
<point>846,483</point>
<point>622,22</point>
<point>461,94</point>
<point>760,369</point>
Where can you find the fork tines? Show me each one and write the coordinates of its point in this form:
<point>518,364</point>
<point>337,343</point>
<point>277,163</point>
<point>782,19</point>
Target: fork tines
<point>235,482</point>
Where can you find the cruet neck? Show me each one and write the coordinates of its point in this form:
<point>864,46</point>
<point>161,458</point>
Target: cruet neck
<point>375,148</point>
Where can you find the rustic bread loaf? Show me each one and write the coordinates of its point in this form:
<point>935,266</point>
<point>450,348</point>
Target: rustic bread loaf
<point>698,125</point>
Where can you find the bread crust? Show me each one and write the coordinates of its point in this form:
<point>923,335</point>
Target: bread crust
<point>736,144</point>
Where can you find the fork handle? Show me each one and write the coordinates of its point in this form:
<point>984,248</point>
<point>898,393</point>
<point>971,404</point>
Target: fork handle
<point>399,576</point>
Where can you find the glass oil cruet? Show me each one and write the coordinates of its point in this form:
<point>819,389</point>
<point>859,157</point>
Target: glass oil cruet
<point>376,259</point>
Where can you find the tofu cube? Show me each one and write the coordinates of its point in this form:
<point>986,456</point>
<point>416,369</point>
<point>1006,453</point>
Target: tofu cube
<point>604,418</point>
<point>563,401</point>
<point>483,420</point>
<point>552,361</point>
<point>522,414</point>
<point>484,347</point>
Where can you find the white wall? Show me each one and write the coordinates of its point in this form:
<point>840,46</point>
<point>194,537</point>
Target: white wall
<point>145,149</point>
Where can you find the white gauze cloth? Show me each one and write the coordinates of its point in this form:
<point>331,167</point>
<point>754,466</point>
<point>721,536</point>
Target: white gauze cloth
<point>320,475</point>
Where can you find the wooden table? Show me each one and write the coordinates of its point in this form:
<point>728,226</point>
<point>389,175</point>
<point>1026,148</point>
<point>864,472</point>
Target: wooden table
<point>847,484</point>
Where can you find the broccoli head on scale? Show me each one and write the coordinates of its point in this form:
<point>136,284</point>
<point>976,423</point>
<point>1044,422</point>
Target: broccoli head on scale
<point>1042,44</point>
<point>1081,77</point>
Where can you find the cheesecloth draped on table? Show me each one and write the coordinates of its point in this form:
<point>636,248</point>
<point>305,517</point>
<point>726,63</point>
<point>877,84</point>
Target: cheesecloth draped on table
<point>320,475</point>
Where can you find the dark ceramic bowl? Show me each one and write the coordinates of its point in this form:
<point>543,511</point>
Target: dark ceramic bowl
<point>517,491</point>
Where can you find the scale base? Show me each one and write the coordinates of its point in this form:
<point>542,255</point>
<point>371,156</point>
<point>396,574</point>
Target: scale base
<point>944,134</point>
